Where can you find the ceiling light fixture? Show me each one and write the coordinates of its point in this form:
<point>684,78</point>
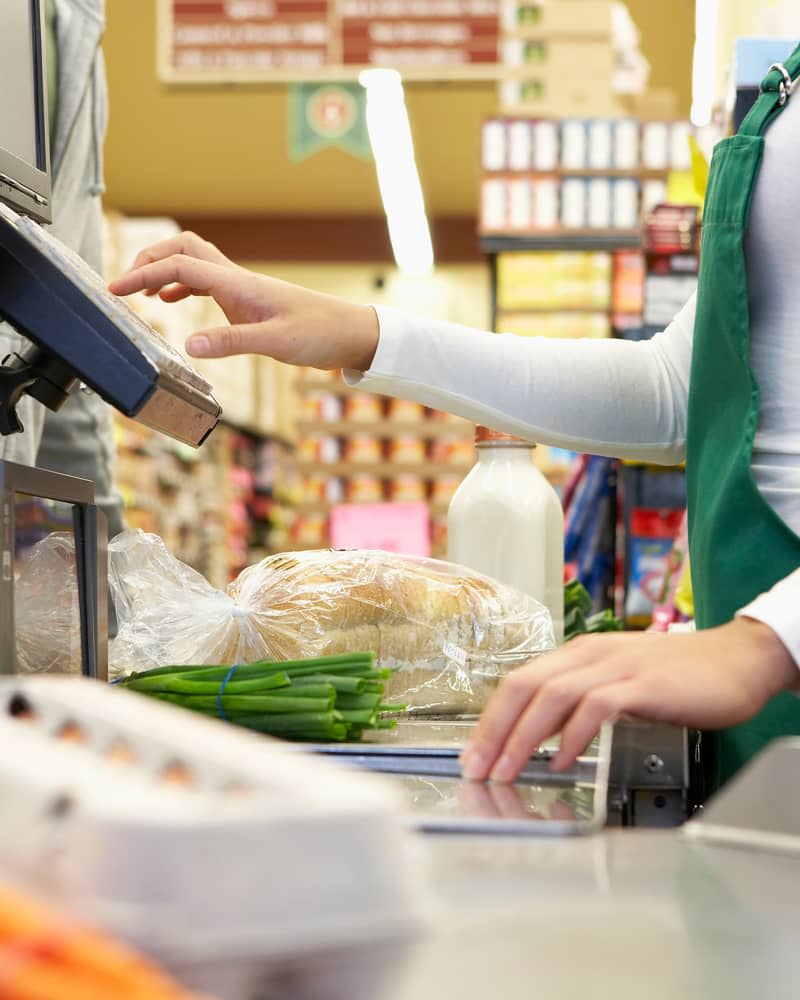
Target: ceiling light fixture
<point>398,179</point>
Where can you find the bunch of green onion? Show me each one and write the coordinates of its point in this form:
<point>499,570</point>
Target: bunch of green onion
<point>326,698</point>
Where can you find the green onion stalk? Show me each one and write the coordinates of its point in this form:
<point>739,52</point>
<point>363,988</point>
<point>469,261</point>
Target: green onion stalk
<point>327,698</point>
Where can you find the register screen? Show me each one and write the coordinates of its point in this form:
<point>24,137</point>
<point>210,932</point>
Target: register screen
<point>18,113</point>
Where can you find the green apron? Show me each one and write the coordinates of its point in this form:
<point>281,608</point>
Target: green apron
<point>739,546</point>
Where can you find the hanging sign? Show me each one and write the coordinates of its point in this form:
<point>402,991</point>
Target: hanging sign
<point>328,114</point>
<point>273,41</point>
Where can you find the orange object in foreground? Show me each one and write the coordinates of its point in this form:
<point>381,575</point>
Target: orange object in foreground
<point>43,956</point>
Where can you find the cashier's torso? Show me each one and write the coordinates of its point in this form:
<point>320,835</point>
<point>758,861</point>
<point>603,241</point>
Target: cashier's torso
<point>773,271</point>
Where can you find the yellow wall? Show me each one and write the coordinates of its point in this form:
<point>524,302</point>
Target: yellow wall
<point>667,30</point>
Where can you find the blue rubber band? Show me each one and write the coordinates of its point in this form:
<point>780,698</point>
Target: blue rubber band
<point>221,691</point>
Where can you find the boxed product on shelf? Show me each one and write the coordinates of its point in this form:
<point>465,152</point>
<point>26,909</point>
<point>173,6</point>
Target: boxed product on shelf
<point>363,488</point>
<point>578,18</point>
<point>600,142</point>
<point>439,536</point>
<point>362,406</point>
<point>545,145</point>
<point>625,213</point>
<point>625,148</point>
<point>628,282</point>
<point>521,204</point>
<point>309,530</point>
<point>541,94</point>
<point>530,144</point>
<point>406,449</point>
<point>553,280</point>
<point>313,488</point>
<point>655,145</point>
<point>561,325</point>
<point>599,203</point>
<point>443,489</point>
<point>546,192</point>
<point>407,489</point>
<point>404,411</point>
<point>494,213</point>
<point>680,153</point>
<point>654,192</point>
<point>574,202</point>
<point>519,194</point>
<point>363,448</point>
<point>494,145</point>
<point>652,536</point>
<point>520,145</point>
<point>318,449</point>
<point>574,144</point>
<point>665,145</point>
<point>672,229</point>
<point>555,60</point>
<point>447,451</point>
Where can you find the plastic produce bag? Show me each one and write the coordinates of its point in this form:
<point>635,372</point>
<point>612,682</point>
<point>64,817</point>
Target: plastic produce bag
<point>448,632</point>
<point>46,609</point>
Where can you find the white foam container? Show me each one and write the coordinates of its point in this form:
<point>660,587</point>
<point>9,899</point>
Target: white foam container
<point>310,857</point>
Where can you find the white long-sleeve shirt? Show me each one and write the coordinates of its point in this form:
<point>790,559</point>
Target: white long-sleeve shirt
<point>629,399</point>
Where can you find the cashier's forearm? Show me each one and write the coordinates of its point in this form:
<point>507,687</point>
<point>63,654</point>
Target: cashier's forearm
<point>607,397</point>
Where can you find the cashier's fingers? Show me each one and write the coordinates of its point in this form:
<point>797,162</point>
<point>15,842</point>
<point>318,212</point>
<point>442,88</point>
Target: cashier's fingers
<point>550,709</point>
<point>176,269</point>
<point>187,243</point>
<point>514,696</point>
<point>175,293</point>
<point>598,706</point>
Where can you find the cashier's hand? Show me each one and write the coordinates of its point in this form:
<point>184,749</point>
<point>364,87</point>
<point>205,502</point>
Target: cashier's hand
<point>708,680</point>
<point>266,316</point>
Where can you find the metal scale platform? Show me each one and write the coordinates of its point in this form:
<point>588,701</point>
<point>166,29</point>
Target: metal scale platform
<point>633,774</point>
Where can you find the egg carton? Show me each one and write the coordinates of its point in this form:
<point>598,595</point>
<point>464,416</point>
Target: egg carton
<point>192,838</point>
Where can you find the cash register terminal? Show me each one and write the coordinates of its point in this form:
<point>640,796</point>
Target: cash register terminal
<point>79,336</point>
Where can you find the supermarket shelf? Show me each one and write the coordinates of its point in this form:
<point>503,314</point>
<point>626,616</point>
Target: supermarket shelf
<point>320,507</point>
<point>424,429</point>
<point>557,477</point>
<point>437,551</point>
<point>384,470</point>
<point>611,173</point>
<point>549,310</point>
<point>251,431</point>
<point>563,239</point>
<point>334,386</point>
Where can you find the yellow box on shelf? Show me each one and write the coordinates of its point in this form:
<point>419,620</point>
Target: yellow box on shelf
<point>560,324</point>
<point>543,280</point>
<point>557,19</point>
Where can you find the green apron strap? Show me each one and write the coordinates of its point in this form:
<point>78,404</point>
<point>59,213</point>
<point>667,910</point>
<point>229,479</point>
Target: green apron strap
<point>776,90</point>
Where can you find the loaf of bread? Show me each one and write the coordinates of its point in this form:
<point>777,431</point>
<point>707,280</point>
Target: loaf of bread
<point>447,632</point>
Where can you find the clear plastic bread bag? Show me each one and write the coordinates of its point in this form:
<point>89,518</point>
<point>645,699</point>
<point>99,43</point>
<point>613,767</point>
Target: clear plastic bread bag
<point>448,633</point>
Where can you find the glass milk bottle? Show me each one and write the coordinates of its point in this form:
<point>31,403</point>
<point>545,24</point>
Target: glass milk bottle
<point>505,520</point>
